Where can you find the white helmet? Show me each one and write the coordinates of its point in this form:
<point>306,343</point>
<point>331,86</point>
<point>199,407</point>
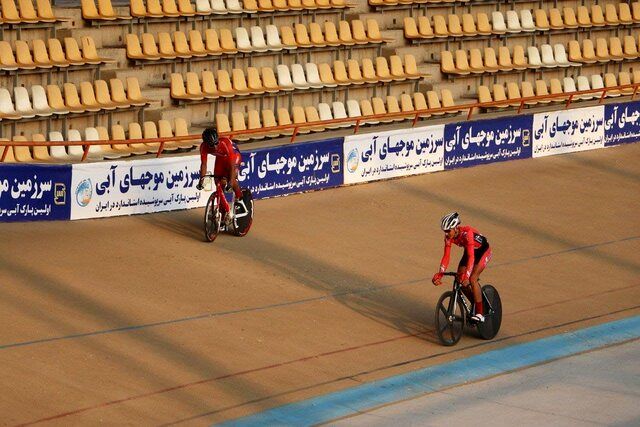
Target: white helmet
<point>450,221</point>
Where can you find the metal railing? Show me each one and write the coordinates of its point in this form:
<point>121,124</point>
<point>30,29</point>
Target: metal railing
<point>323,124</point>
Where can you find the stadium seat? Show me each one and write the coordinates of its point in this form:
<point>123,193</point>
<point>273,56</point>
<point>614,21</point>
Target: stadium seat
<point>542,90</point>
<point>504,58</point>
<point>513,22</point>
<point>354,73</point>
<point>353,108</point>
<point>555,19</point>
<point>239,82</point>
<point>21,154</point>
<point>477,65</point>
<point>527,92</point>
<point>625,16</point>
<point>273,38</point>
<point>499,26</point>
<point>209,87</point>
<point>299,118</point>
<point>569,85</point>
<point>298,78</point>
<point>519,58</point>
<point>313,75</point>
<point>469,28</point>
<point>560,56</point>
<point>602,50</point>
<point>23,105</point>
<point>597,16</point>
<point>611,81</point>
<point>462,63</point>
<point>483,25</point>
<point>583,18</point>
<point>582,83</point>
<point>284,78</point>
<point>40,104</point>
<point>611,14</point>
<point>547,56</point>
<point>379,108</point>
<point>58,152</point>
<point>269,81</point>
<point>225,87</point>
<point>243,43</point>
<point>57,104</point>
<point>533,57</point>
<point>569,17</point>
<point>424,28</point>
<point>615,49</point>
<point>630,48</point>
<point>541,19</point>
<point>284,119</point>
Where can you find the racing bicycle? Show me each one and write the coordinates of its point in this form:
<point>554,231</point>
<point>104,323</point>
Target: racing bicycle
<point>454,310</point>
<point>214,214</point>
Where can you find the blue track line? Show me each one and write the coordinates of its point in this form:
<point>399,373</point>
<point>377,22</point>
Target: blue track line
<point>351,401</point>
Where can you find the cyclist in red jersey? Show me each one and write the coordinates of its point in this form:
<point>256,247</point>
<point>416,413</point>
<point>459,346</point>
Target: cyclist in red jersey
<point>477,254</point>
<point>228,160</point>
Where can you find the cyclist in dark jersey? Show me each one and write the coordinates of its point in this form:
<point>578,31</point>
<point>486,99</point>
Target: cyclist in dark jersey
<point>477,253</point>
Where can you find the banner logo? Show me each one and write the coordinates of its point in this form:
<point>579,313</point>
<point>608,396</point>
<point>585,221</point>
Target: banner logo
<point>60,193</point>
<point>352,160</point>
<point>84,192</point>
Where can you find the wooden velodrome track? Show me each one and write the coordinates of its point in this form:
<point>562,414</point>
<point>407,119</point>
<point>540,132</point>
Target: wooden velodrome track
<point>137,321</point>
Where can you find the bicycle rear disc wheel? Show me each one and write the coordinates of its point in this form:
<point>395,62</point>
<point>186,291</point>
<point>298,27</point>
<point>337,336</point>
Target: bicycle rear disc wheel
<point>450,319</point>
<point>212,219</point>
<point>493,314</point>
<point>243,216</point>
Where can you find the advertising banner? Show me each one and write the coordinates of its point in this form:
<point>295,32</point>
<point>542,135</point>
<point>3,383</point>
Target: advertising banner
<point>391,154</point>
<point>34,192</point>
<point>487,141</point>
<point>621,123</point>
<point>288,169</point>
<point>568,131</point>
<point>133,187</point>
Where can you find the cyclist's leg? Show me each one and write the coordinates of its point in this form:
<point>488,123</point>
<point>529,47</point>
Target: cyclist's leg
<point>462,267</point>
<point>224,205</point>
<point>233,175</point>
<point>221,172</point>
<point>234,183</point>
<point>478,268</point>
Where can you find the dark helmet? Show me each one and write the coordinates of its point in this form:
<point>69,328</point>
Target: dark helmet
<point>210,137</point>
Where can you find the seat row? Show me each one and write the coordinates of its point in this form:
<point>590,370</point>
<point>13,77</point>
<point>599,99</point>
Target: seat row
<point>221,42</point>
<point>26,13</point>
<point>583,17</point>
<point>74,153</point>
<point>487,61</point>
<point>93,97</point>
<point>605,50</point>
<point>104,10</point>
<point>49,54</point>
<point>391,3</point>
<point>515,91</point>
<point>265,118</point>
<point>443,26</point>
<point>297,77</point>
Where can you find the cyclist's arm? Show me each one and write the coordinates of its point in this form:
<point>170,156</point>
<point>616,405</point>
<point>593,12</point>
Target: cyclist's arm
<point>468,247</point>
<point>203,162</point>
<point>444,263</point>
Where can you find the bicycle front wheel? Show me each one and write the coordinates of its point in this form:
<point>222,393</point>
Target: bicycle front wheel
<point>212,219</point>
<point>450,319</point>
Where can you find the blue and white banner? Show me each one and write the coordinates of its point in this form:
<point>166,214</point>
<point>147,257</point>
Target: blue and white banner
<point>133,187</point>
<point>487,141</point>
<point>621,123</point>
<point>391,154</point>
<point>288,169</point>
<point>568,131</point>
<point>34,192</point>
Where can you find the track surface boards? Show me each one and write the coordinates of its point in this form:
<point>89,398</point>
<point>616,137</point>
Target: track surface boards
<point>137,320</point>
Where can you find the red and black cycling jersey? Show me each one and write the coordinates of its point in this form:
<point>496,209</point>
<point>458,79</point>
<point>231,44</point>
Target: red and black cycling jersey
<point>474,244</point>
<point>227,156</point>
